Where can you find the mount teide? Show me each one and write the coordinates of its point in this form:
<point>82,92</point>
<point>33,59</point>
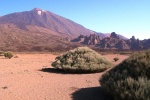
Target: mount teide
<point>38,30</point>
<point>44,19</point>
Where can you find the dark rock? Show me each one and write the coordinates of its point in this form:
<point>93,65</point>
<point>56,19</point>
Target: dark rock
<point>114,35</point>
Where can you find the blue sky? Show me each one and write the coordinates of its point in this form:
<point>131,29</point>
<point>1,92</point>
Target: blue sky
<point>125,17</point>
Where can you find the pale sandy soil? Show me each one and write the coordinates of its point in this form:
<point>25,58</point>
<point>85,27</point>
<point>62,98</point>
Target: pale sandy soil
<point>22,79</point>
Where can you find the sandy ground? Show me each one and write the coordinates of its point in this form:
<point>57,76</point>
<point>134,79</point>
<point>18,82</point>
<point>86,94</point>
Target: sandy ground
<point>22,78</point>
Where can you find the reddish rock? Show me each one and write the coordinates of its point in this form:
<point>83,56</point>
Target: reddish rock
<point>92,39</point>
<point>115,42</point>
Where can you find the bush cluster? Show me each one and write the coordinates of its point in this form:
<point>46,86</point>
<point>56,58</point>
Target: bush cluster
<point>8,54</point>
<point>81,59</point>
<point>130,80</point>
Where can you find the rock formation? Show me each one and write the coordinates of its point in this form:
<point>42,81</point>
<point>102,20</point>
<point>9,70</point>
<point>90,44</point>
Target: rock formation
<point>114,42</point>
<point>92,39</point>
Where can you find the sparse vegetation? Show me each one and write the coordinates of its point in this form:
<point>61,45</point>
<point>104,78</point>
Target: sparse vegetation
<point>129,80</point>
<point>116,59</point>
<point>1,53</point>
<point>81,59</point>
<point>8,54</point>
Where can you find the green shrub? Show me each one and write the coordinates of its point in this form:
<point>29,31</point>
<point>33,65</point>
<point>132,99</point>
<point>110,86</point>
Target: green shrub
<point>81,59</point>
<point>116,59</point>
<point>129,80</point>
<point>8,54</point>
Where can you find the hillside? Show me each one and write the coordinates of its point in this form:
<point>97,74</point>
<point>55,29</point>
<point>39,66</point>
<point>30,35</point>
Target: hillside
<point>38,30</point>
<point>44,19</point>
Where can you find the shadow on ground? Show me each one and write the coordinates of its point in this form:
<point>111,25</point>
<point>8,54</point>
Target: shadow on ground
<point>58,71</point>
<point>92,93</point>
<point>52,70</point>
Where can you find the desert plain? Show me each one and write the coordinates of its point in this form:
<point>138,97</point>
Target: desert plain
<point>31,77</point>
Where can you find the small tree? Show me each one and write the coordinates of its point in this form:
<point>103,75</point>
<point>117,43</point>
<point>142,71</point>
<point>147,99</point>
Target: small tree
<point>8,54</point>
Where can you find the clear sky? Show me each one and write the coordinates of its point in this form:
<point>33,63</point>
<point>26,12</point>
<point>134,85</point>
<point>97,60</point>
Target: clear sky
<point>125,17</point>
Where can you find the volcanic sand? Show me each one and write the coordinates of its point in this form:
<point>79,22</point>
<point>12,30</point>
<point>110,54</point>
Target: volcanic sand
<point>31,77</point>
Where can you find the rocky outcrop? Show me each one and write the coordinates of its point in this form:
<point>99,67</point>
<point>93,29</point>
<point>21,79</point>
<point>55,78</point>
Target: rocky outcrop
<point>114,42</point>
<point>114,35</point>
<point>92,39</point>
<point>122,45</point>
<point>146,44</point>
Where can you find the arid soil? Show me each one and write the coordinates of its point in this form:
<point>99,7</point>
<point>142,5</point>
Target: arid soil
<point>31,77</point>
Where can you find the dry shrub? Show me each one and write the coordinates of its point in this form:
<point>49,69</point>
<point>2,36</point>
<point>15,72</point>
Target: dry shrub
<point>129,80</point>
<point>8,54</point>
<point>81,59</point>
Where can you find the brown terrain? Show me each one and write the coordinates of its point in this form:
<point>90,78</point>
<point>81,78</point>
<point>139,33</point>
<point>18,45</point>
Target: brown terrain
<point>31,77</point>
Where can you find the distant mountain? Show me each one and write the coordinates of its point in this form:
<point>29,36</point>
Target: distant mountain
<point>44,19</point>
<point>38,29</point>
